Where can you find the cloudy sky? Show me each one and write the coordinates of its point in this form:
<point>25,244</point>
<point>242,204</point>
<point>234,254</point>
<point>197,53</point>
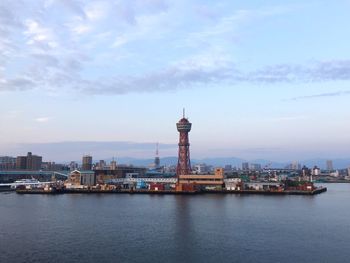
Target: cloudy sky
<point>258,79</point>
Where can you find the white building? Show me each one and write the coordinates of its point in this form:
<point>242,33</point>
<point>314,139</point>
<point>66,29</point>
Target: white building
<point>87,178</point>
<point>316,171</point>
<point>201,168</point>
<point>335,174</point>
<point>348,176</point>
<point>232,184</point>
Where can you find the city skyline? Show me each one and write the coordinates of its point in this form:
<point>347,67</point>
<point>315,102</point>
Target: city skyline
<point>257,80</point>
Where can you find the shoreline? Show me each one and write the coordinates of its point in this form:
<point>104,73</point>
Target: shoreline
<point>171,192</point>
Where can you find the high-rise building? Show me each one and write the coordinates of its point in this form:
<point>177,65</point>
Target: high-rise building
<point>33,161</point>
<point>52,166</point>
<point>21,162</point>
<point>228,168</point>
<point>183,162</point>
<point>305,172</point>
<point>295,165</point>
<point>7,163</point>
<point>29,162</point>
<point>255,166</point>
<point>329,165</point>
<point>113,165</point>
<point>101,164</point>
<point>157,159</point>
<point>87,163</point>
<point>73,166</point>
<point>245,166</point>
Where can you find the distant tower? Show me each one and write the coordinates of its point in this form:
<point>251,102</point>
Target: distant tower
<point>329,165</point>
<point>157,159</point>
<point>113,165</point>
<point>87,162</point>
<point>183,162</point>
<point>101,164</point>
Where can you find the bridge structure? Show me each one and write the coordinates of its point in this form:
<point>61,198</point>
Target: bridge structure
<point>7,176</point>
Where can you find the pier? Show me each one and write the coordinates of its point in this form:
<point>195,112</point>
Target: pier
<point>172,192</point>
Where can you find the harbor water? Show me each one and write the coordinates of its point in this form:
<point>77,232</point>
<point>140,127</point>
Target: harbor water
<point>175,228</point>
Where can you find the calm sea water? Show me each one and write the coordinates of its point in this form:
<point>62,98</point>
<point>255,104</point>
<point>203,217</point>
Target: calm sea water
<point>153,228</point>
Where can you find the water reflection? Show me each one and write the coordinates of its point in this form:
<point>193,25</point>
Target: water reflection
<point>146,228</point>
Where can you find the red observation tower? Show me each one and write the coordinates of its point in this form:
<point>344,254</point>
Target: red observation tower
<point>183,162</point>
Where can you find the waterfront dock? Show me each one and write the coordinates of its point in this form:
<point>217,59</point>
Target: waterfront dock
<point>167,192</point>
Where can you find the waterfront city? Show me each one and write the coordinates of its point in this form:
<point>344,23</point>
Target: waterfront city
<point>174,131</point>
<point>181,179</point>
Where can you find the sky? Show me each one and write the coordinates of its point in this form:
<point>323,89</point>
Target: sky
<point>258,79</point>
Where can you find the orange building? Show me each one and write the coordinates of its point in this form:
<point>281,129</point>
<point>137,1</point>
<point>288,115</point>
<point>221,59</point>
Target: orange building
<point>215,180</point>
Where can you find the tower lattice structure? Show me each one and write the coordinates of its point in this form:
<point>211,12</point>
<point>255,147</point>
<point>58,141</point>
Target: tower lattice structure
<point>183,162</point>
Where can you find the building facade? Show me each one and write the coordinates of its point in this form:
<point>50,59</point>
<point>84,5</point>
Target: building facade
<point>201,168</point>
<point>7,163</point>
<point>29,162</point>
<point>245,166</point>
<point>215,180</point>
<point>86,163</point>
<point>255,166</point>
<point>105,176</point>
<point>86,178</point>
<point>329,165</point>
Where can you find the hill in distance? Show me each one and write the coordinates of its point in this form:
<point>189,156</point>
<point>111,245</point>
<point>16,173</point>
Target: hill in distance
<point>234,161</point>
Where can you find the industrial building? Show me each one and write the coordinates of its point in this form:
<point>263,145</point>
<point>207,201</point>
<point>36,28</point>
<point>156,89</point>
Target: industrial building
<point>204,181</point>
<point>106,175</point>
<point>81,178</point>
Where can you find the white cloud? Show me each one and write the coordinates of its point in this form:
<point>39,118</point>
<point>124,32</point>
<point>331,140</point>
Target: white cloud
<point>81,29</point>
<point>288,118</point>
<point>323,95</point>
<point>35,32</point>
<point>42,119</point>
<point>97,10</point>
<point>83,48</point>
<point>120,41</point>
<point>226,28</point>
<point>209,59</point>
<point>144,28</point>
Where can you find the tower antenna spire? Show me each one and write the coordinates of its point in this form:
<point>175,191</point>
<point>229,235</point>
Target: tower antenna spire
<point>183,112</point>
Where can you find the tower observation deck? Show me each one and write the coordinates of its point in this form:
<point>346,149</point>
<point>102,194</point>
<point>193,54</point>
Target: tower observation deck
<point>183,163</point>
